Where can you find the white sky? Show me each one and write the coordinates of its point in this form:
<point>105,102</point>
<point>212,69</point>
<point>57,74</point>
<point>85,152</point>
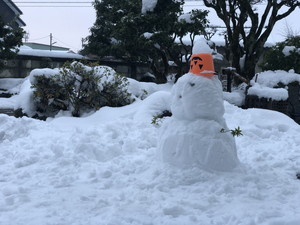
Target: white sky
<point>69,25</point>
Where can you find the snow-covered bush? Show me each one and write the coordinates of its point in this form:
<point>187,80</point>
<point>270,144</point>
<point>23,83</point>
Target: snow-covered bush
<point>284,56</point>
<point>78,88</point>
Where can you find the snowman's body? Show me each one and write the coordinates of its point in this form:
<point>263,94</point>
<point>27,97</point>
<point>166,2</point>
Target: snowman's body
<point>192,136</point>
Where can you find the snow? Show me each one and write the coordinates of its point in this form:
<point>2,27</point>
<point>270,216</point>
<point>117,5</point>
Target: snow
<point>236,97</point>
<point>186,17</point>
<point>104,169</point>
<point>201,46</point>
<point>148,5</point>
<point>147,35</point>
<point>278,94</point>
<point>272,78</point>
<point>288,49</point>
<point>146,88</point>
<point>25,50</point>
<point>10,83</point>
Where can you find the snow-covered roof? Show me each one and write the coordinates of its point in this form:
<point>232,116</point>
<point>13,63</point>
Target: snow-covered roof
<point>27,51</point>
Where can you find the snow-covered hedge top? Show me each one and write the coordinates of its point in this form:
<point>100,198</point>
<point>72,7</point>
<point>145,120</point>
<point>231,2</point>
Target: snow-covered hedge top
<point>277,94</point>
<point>99,71</point>
<point>38,72</point>
<point>266,81</point>
<point>273,78</point>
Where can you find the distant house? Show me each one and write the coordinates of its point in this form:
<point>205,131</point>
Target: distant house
<point>29,58</point>
<point>10,13</point>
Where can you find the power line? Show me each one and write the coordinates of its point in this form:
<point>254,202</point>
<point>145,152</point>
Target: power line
<point>36,39</point>
<point>54,6</point>
<point>63,42</point>
<point>54,2</point>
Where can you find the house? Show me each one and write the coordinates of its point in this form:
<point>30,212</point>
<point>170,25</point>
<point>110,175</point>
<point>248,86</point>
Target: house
<point>10,13</point>
<point>29,58</point>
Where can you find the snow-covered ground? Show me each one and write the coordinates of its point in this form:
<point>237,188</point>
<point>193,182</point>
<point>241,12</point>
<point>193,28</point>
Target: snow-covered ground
<point>104,169</point>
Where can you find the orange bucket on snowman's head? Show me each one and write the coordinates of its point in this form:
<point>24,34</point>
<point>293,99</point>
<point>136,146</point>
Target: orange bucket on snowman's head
<point>202,64</point>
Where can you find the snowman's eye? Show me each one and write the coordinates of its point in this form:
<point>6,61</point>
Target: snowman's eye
<point>192,84</point>
<point>179,96</point>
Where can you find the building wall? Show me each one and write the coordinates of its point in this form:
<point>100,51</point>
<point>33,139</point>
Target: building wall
<point>23,65</point>
<point>6,14</point>
<point>9,16</point>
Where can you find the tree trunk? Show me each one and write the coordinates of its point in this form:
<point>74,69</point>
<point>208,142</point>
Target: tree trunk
<point>249,68</point>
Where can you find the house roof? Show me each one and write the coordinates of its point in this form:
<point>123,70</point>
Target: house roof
<point>27,51</point>
<point>40,46</point>
<point>16,11</point>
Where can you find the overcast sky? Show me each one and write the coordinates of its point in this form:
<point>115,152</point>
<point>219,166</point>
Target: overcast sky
<point>70,24</point>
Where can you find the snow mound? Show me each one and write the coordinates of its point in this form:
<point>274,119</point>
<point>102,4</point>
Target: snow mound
<point>154,105</point>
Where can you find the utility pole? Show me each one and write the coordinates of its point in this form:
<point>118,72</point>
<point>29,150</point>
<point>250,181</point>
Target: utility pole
<point>26,37</point>
<point>51,43</point>
<point>82,42</point>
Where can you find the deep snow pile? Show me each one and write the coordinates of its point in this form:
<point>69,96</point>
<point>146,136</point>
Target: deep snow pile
<point>192,136</point>
<point>104,170</point>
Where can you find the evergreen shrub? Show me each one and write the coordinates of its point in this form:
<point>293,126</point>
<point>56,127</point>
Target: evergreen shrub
<point>283,56</point>
<point>79,89</point>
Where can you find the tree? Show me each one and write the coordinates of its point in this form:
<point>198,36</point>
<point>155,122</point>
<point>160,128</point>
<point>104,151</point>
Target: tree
<point>121,30</point>
<point>10,40</point>
<point>249,44</point>
<point>189,26</point>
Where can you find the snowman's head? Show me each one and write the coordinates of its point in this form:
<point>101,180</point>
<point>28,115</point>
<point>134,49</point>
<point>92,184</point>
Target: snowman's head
<point>197,97</point>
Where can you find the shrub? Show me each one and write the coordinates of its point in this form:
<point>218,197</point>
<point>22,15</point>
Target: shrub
<point>283,56</point>
<point>80,89</point>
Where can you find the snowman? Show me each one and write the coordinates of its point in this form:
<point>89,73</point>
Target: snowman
<point>193,135</point>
